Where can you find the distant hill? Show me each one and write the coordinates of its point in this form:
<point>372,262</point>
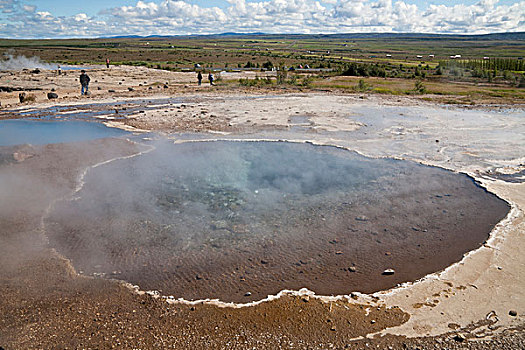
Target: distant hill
<point>402,36</point>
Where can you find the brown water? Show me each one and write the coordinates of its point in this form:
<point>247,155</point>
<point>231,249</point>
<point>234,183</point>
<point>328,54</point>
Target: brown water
<point>241,220</point>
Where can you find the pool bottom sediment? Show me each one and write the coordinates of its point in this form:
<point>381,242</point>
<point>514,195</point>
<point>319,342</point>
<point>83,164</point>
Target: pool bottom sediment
<point>238,221</point>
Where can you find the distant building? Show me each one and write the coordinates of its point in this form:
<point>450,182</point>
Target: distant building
<point>419,56</point>
<point>486,58</point>
<point>388,55</point>
<point>431,56</point>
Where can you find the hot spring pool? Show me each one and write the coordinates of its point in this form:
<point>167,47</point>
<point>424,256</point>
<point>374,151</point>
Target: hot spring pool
<point>241,220</point>
<point>37,132</point>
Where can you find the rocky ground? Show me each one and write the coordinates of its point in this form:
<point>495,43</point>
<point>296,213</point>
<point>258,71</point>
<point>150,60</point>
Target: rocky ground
<point>477,303</point>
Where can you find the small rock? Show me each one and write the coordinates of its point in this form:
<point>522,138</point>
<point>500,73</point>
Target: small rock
<point>306,299</point>
<point>247,294</point>
<point>513,313</point>
<point>131,89</point>
<point>338,252</point>
<point>373,321</point>
<point>165,86</point>
<point>388,272</point>
<point>459,337</point>
<point>388,253</point>
<point>99,88</point>
<point>362,218</point>
<point>352,269</point>
<point>23,97</point>
<point>198,277</point>
<point>264,262</point>
<point>111,90</point>
<point>52,95</point>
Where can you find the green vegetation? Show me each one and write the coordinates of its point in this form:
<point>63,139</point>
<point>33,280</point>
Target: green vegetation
<point>419,88</point>
<point>362,86</point>
<point>373,63</point>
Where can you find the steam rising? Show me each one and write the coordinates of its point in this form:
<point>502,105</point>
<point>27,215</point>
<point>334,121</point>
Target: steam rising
<point>217,219</point>
<point>11,63</point>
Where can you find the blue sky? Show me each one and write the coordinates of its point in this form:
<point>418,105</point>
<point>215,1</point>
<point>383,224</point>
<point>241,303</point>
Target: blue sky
<point>94,18</point>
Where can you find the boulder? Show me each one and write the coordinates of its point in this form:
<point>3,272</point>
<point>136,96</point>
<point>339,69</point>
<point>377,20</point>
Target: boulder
<point>52,95</point>
<point>23,97</point>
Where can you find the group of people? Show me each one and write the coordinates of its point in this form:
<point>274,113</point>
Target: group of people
<point>84,79</point>
<point>210,78</point>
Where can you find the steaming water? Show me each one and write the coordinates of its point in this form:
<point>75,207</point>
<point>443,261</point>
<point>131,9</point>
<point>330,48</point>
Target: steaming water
<point>21,62</point>
<point>220,219</point>
<point>19,131</point>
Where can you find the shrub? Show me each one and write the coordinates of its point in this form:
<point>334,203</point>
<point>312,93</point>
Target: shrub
<point>521,82</point>
<point>362,86</point>
<point>281,77</point>
<point>268,65</point>
<point>307,81</point>
<point>419,87</point>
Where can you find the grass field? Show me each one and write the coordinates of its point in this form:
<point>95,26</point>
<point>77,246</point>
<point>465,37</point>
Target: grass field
<point>388,63</point>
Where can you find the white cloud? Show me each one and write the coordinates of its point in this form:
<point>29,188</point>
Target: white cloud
<point>29,8</point>
<point>166,17</point>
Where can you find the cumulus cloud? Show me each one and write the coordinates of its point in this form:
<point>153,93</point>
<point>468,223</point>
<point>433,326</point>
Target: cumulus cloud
<point>172,17</point>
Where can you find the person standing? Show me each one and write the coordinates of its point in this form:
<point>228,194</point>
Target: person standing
<point>107,62</point>
<point>210,78</point>
<point>84,82</point>
<point>199,77</point>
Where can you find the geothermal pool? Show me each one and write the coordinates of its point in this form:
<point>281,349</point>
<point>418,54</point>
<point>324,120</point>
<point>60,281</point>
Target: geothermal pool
<point>240,220</point>
<point>38,132</point>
